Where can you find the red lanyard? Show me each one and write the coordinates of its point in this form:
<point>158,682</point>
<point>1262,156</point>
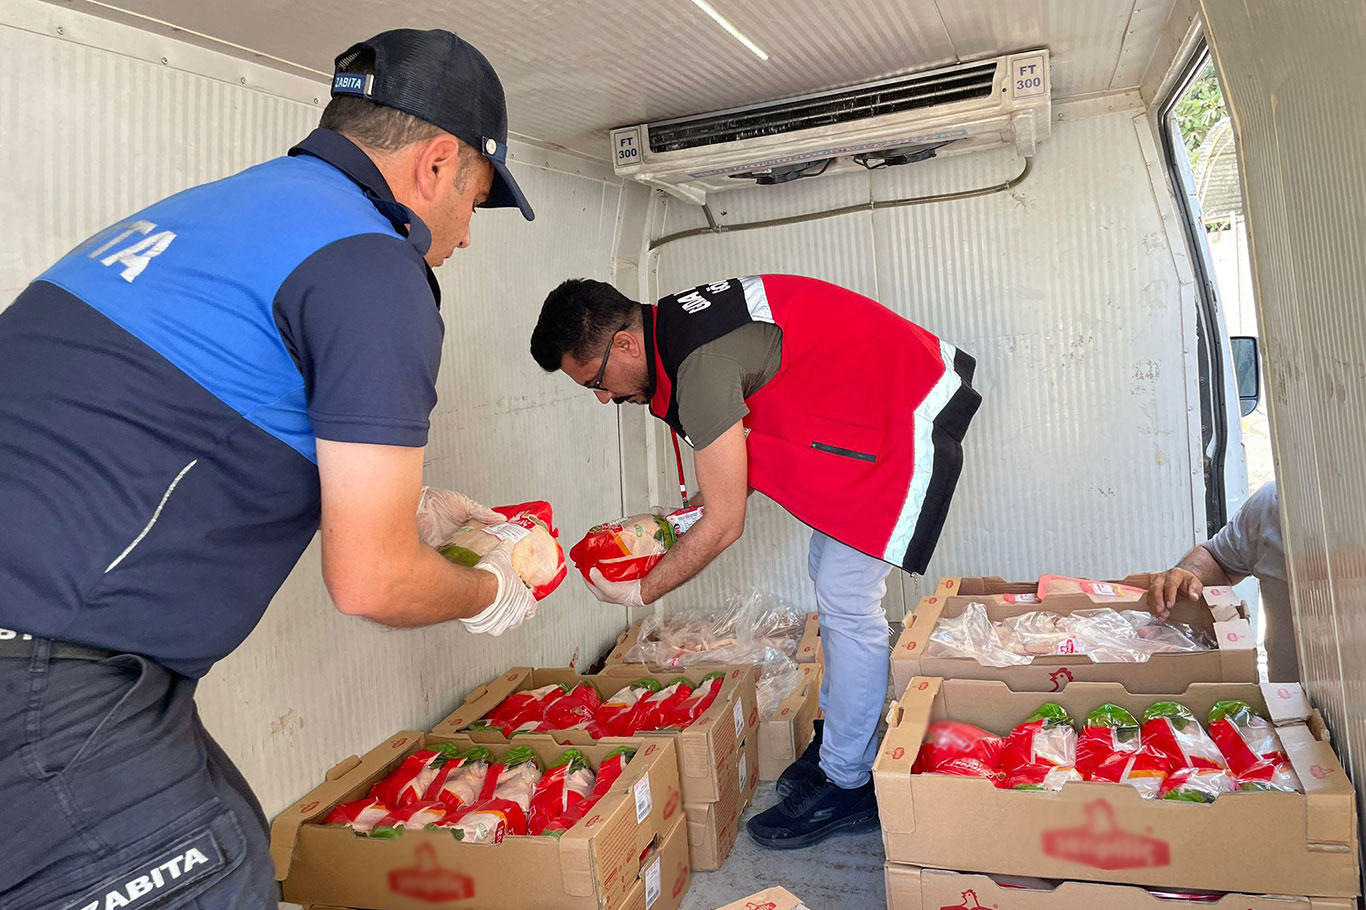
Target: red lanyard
<point>678,460</point>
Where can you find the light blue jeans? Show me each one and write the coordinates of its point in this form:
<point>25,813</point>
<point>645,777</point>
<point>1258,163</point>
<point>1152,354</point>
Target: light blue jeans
<point>849,591</point>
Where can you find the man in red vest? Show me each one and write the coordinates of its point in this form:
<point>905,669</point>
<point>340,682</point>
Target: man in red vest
<point>842,412</point>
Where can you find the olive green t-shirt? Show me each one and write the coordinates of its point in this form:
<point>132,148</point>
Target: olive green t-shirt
<point>714,380</point>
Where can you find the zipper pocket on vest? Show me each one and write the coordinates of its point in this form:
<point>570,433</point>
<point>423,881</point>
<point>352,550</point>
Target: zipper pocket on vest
<point>845,453</point>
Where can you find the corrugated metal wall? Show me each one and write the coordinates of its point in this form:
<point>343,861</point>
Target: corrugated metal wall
<point>1082,458</point>
<point>91,136</point>
<point>1294,80</point>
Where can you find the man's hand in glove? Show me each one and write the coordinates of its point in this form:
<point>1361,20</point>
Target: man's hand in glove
<point>440,513</point>
<point>512,605</point>
<point>625,593</point>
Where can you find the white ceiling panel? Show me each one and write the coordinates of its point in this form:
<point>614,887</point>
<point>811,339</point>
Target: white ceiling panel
<point>575,68</point>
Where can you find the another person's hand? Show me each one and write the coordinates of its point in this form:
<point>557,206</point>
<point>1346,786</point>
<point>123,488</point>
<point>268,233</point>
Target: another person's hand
<point>625,593</point>
<point>440,513</point>
<point>1171,586</point>
<point>512,605</point>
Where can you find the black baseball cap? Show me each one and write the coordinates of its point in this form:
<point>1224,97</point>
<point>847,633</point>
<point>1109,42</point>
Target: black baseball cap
<point>440,78</point>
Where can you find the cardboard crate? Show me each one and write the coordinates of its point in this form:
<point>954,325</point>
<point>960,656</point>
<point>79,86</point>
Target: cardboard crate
<point>770,899</point>
<point>702,749</point>
<point>1273,843</point>
<point>661,885</point>
<point>714,826</point>
<point>784,735</point>
<point>913,888</point>
<point>594,865</point>
<point>1220,613</point>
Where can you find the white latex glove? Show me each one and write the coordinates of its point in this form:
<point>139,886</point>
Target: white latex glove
<point>513,603</point>
<point>440,513</point>
<point>625,593</point>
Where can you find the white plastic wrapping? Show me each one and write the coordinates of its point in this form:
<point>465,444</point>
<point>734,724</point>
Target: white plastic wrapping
<point>1103,635</point>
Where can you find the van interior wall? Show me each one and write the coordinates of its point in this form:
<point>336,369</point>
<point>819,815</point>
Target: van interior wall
<point>1084,457</point>
<point>1293,81</point>
<point>105,134</point>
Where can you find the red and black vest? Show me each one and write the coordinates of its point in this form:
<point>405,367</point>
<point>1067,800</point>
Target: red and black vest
<point>859,433</point>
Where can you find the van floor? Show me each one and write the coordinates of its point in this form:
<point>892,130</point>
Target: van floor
<point>844,871</point>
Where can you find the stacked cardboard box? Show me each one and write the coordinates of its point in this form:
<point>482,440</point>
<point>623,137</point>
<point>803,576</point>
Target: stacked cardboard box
<point>718,754</point>
<point>785,733</point>
<point>629,853</point>
<point>1219,613</point>
<point>1258,843</point>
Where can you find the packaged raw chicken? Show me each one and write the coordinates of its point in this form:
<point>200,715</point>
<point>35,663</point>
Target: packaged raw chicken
<point>514,778</point>
<point>955,748</point>
<point>1102,591</point>
<point>459,781</point>
<point>536,554</point>
<point>360,816</point>
<point>486,822</point>
<point>565,785</point>
<point>625,713</point>
<point>628,548</point>
<point>408,783</point>
<point>1252,747</point>
<point>667,709</point>
<point>520,709</point>
<point>414,817</point>
<point>1041,753</point>
<point>576,707</point>
<point>973,634</point>
<point>1111,749</point>
<point>609,769</point>
<point>1197,770</point>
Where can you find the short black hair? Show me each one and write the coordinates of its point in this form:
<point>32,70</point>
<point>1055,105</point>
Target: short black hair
<point>577,318</point>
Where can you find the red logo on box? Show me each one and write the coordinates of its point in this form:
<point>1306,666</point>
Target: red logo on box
<point>308,807</point>
<point>427,881</point>
<point>457,721</point>
<point>681,881</point>
<point>399,743</point>
<point>734,674</point>
<point>1060,677</point>
<point>1318,772</point>
<point>970,902</point>
<point>1100,844</point>
<point>766,905</point>
<point>512,677</point>
<point>650,749</point>
<point>671,804</point>
<point>592,822</point>
<point>754,716</point>
<point>933,600</point>
<point>897,753</point>
<point>948,583</point>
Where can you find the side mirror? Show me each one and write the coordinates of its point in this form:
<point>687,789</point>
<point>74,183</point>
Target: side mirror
<point>1247,370</point>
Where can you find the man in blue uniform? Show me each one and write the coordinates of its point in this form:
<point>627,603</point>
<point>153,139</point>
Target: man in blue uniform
<point>187,397</point>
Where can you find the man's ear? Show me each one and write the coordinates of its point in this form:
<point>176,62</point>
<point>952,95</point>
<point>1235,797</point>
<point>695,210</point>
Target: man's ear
<point>437,161</point>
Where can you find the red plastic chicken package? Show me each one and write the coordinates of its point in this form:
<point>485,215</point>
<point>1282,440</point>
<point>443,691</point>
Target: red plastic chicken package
<point>575,708</point>
<point>628,548</point>
<point>486,822</point>
<point>408,783</point>
<point>564,786</point>
<point>626,712</point>
<point>1041,753</point>
<point>413,817</point>
<point>360,816</point>
<point>530,527</point>
<point>962,749</point>
<point>685,713</point>
<point>1197,770</point>
<point>459,782</point>
<point>1111,749</point>
<point>514,713</point>
<point>1253,748</point>
<point>609,770</point>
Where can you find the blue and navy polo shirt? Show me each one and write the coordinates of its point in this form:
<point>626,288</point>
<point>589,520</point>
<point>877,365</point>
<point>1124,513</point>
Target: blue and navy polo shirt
<point>163,384</point>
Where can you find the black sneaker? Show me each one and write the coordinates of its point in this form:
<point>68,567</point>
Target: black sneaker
<point>814,811</point>
<point>801,769</point>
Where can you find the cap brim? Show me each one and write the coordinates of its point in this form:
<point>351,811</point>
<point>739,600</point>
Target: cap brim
<point>505,192</point>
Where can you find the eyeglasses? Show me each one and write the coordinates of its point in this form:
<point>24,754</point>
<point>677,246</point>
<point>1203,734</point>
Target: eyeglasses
<point>596,384</point>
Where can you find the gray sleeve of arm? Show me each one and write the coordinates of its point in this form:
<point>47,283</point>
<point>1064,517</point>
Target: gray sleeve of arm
<point>710,396</point>
<point>1237,546</point>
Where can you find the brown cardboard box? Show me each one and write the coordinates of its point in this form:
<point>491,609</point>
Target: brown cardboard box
<point>702,749</point>
<point>594,865</point>
<point>1274,843</point>
<point>1220,613</point>
<point>662,884</point>
<point>770,899</point>
<point>809,648</point>
<point>913,888</point>
<point>713,827</point>
<point>785,734</point>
